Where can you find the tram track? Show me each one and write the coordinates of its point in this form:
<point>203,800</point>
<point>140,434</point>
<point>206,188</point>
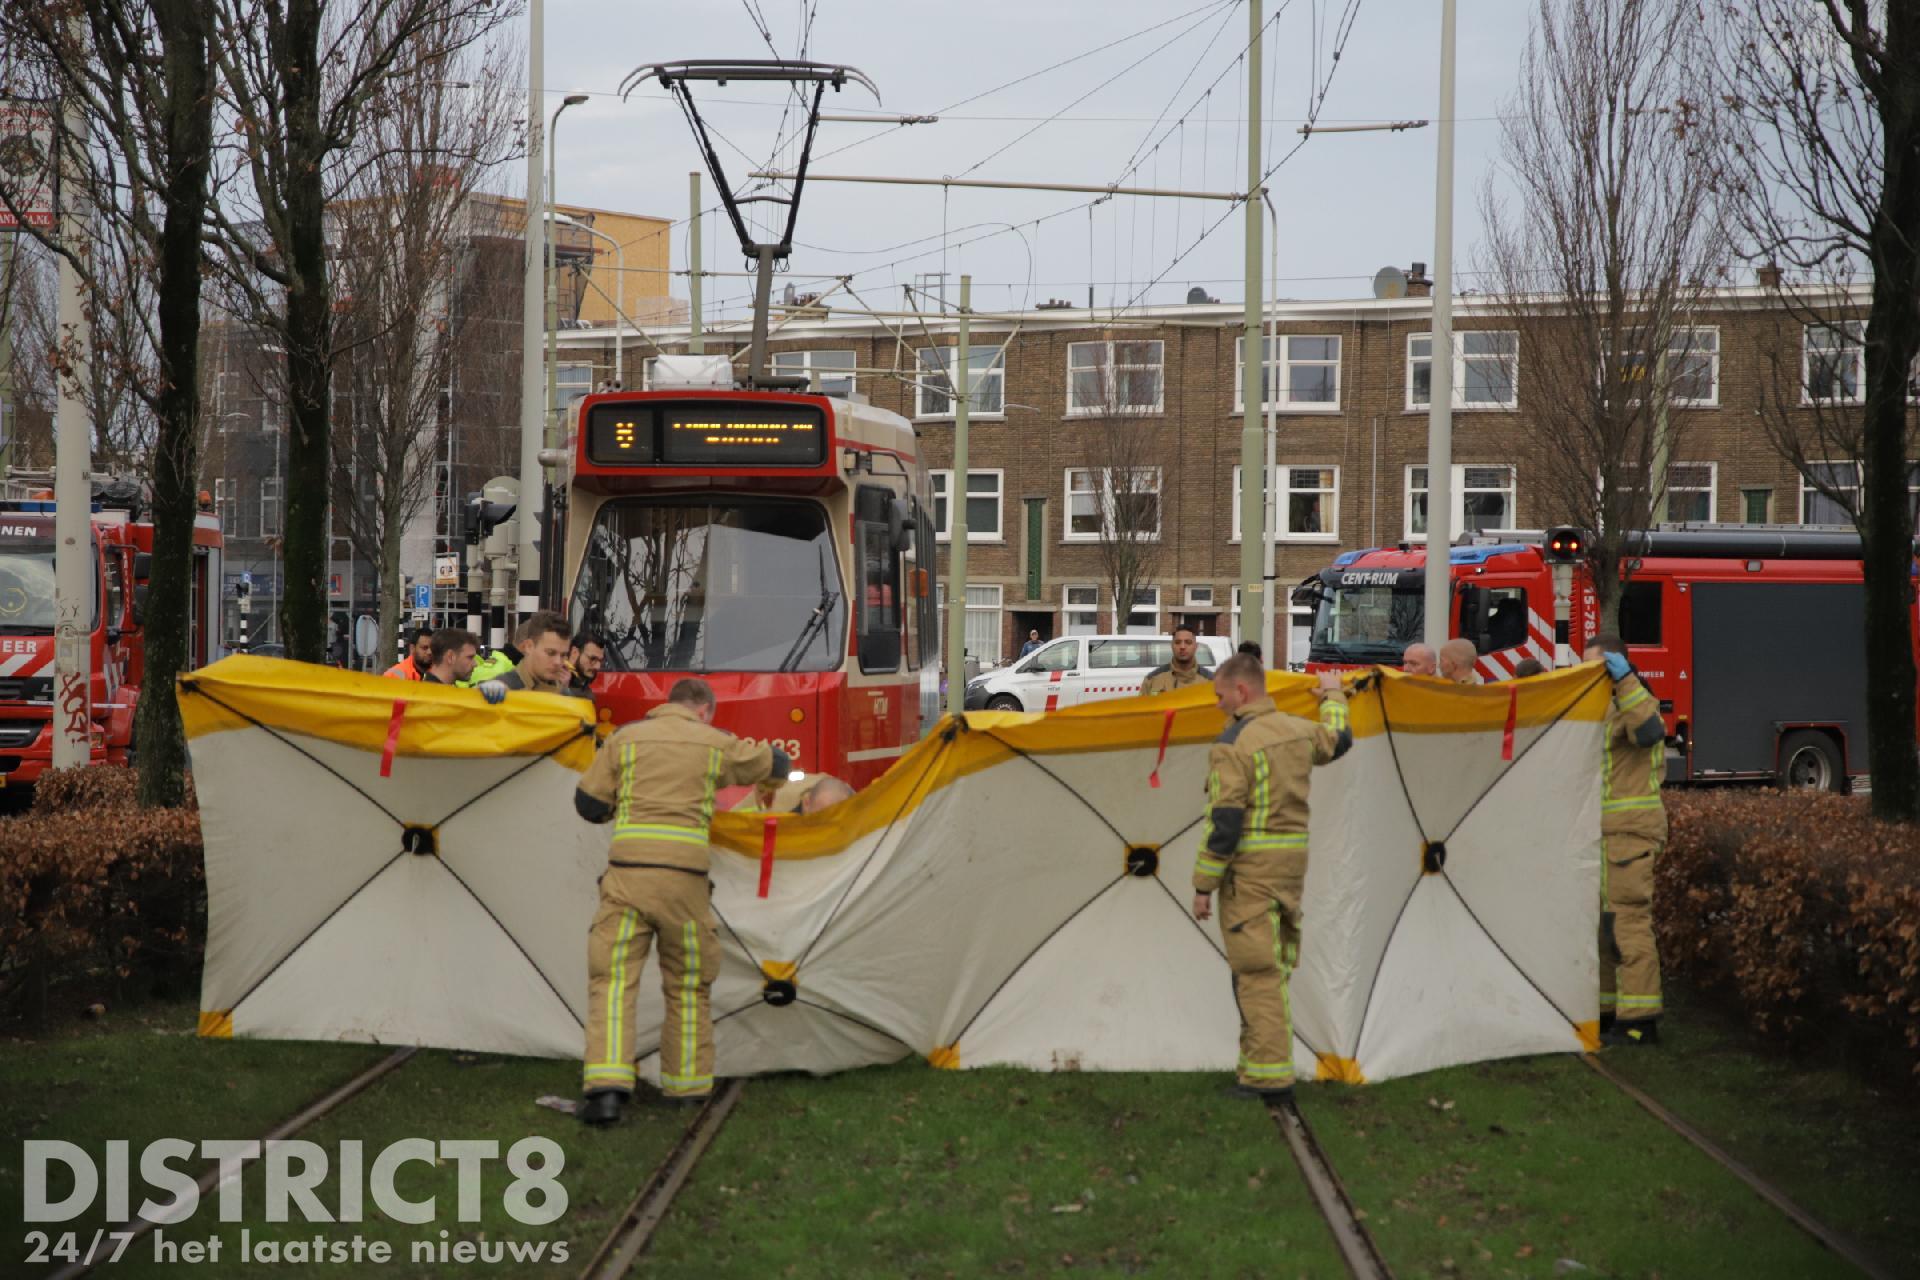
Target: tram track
<point>1833,1241</point>
<point>1350,1235</point>
<point>630,1236</point>
<point>213,1178</point>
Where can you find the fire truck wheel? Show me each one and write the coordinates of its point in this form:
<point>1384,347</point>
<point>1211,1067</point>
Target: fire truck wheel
<point>1810,761</point>
<point>1005,702</point>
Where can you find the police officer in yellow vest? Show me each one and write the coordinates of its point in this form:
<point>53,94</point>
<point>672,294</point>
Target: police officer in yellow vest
<point>1633,829</point>
<point>655,780</point>
<point>1254,850</point>
<point>1185,669</point>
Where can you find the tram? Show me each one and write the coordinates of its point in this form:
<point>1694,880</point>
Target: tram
<point>777,544</point>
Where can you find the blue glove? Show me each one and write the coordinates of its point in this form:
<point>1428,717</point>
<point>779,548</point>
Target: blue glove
<point>1617,666</point>
<point>496,693</point>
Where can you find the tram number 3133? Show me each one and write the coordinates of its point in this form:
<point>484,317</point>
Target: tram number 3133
<point>789,745</point>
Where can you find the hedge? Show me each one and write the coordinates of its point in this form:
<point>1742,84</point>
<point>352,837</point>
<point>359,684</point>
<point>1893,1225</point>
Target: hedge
<point>97,896</point>
<point>1801,911</point>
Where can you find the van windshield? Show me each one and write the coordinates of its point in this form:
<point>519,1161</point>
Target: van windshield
<point>1366,625</point>
<point>26,589</point>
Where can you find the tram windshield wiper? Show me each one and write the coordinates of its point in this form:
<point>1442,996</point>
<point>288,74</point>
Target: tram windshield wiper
<point>817,621</point>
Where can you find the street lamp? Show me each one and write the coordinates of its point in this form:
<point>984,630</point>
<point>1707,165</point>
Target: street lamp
<point>553,256</point>
<point>619,275</point>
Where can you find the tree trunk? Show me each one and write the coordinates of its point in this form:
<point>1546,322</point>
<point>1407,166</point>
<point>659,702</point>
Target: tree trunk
<point>1603,567</point>
<point>303,608</point>
<point>390,587</point>
<point>1886,526</point>
<point>160,744</point>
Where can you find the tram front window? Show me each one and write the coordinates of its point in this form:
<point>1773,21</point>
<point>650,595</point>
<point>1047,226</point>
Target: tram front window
<point>743,584</point>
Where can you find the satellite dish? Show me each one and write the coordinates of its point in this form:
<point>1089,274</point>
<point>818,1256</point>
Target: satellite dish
<point>1389,282</point>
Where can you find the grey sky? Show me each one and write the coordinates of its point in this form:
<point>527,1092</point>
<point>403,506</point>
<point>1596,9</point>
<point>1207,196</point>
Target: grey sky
<point>1349,204</point>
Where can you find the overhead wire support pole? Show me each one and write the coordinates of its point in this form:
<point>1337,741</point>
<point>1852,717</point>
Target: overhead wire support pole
<point>961,388</point>
<point>1439,575</point>
<point>73,571</point>
<point>532,415</point>
<point>696,341</point>
<point>1253,363</point>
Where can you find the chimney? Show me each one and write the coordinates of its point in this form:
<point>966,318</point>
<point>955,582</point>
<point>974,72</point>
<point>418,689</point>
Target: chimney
<point>1767,277</point>
<point>1418,286</point>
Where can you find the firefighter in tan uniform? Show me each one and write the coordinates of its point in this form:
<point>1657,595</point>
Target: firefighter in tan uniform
<point>655,781</point>
<point>1185,669</point>
<point>1254,850</point>
<point>1633,829</point>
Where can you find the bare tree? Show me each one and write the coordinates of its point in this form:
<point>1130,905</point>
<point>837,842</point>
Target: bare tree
<point>140,74</point>
<point>298,78</point>
<point>1823,107</point>
<point>1119,383</point>
<point>1612,242</point>
<point>401,226</point>
<point>26,329</point>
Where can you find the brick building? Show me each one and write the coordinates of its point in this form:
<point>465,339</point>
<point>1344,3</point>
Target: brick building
<point>1351,376</point>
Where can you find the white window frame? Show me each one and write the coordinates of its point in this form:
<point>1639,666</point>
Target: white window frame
<point>1457,515</point>
<point>1281,485</point>
<point>942,526</point>
<point>804,362</point>
<point>1103,494</point>
<point>1460,359</point>
<point>1680,347</point>
<point>993,375</point>
<point>562,385</point>
<point>222,502</point>
<point>1854,335</point>
<point>1114,372</point>
<point>1192,599</point>
<point>1068,609</point>
<point>1712,489</point>
<point>270,500</point>
<point>1807,491</point>
<point>1278,373</point>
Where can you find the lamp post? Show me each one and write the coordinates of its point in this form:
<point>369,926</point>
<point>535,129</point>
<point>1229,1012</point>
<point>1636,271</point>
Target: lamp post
<point>553,257</point>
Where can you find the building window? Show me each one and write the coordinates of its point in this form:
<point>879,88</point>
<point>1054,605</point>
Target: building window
<point>1693,367</point>
<point>1120,503</point>
<point>1303,371</point>
<point>1844,477</point>
<point>1835,362</point>
<point>1486,369</point>
<point>273,414</point>
<point>1199,598</point>
<point>984,492</point>
<point>570,382</point>
<point>1484,498</point>
<point>1080,610</point>
<point>1306,504</point>
<point>270,507</point>
<point>828,373</point>
<point>982,624</point>
<point>1144,618</point>
<point>1115,377</point>
<point>986,382</point>
<point>1756,506</point>
<point>1691,492</point>
<point>222,508</point>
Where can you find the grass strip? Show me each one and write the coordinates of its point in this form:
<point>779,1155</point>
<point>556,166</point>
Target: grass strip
<point>899,1171</point>
<point>1539,1167</point>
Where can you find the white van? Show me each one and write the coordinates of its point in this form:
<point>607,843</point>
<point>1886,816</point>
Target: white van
<point>1077,669</point>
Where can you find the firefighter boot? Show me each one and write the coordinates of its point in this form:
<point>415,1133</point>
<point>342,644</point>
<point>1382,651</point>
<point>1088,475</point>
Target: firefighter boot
<point>601,1107</point>
<point>1639,1033</point>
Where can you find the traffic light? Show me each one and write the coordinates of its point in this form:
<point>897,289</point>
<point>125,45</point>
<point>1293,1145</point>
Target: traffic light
<point>488,508</point>
<point>1566,544</point>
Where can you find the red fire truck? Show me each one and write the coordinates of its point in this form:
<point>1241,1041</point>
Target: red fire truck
<point>777,544</point>
<point>122,552</point>
<point>1751,636</point>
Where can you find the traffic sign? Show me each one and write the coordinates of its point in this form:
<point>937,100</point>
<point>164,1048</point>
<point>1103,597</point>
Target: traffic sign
<point>26,156</point>
<point>423,595</point>
<point>446,571</point>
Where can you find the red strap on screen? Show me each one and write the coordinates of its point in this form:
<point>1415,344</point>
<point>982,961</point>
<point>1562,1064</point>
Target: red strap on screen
<point>1513,715</point>
<point>766,854</point>
<point>393,737</point>
<point>1166,732</point>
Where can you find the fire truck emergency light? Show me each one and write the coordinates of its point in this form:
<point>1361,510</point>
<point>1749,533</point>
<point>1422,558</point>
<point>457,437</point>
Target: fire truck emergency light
<point>1566,544</point>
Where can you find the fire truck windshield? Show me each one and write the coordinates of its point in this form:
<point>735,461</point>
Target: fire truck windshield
<point>713,584</point>
<point>26,587</point>
<point>1366,625</point>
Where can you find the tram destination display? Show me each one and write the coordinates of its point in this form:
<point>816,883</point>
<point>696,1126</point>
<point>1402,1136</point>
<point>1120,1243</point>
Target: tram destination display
<point>706,433</point>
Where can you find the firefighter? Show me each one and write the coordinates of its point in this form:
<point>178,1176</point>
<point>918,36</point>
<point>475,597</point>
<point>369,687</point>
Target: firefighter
<point>1417,660</point>
<point>1254,850</point>
<point>543,639</point>
<point>1457,660</point>
<point>655,781</point>
<point>1185,669</point>
<point>1633,828</point>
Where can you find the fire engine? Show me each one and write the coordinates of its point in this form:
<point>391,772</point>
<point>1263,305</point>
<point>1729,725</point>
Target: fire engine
<point>122,551</point>
<point>1750,635</point>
